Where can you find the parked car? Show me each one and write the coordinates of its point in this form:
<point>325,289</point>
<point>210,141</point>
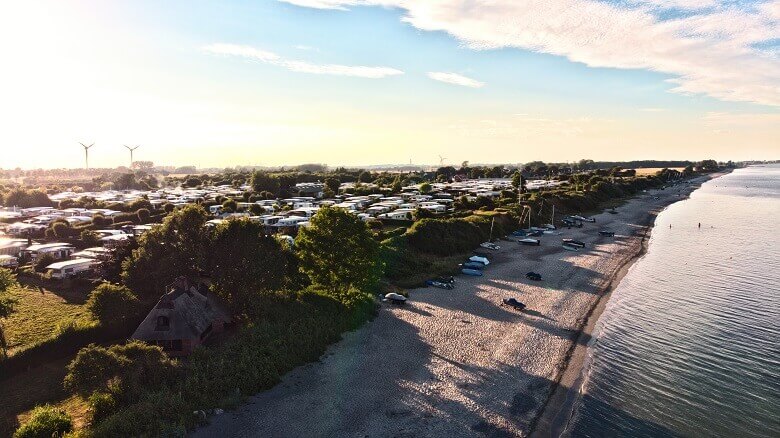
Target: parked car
<point>511,302</point>
<point>394,298</point>
<point>535,276</point>
<point>440,284</point>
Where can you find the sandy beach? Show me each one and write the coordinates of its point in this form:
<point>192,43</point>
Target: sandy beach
<point>456,363</point>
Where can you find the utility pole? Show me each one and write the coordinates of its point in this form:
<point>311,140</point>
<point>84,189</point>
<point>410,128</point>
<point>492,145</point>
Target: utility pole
<point>86,154</point>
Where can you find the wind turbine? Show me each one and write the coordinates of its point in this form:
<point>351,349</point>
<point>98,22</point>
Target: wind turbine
<point>86,153</point>
<point>131,149</point>
<point>441,161</point>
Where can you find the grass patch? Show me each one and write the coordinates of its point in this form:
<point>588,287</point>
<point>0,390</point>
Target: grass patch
<point>37,315</point>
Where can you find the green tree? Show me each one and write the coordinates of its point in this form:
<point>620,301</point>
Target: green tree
<point>256,210</point>
<point>365,177</point>
<point>110,304</point>
<point>230,206</point>
<point>89,238</point>
<point>192,182</point>
<point>397,185</point>
<point>143,215</point>
<point>425,188</point>
<point>43,261</point>
<point>338,253</point>
<point>333,184</point>
<point>263,182</point>
<point>7,302</point>
<point>175,248</point>
<point>256,263</point>
<point>61,229</point>
<point>518,182</point>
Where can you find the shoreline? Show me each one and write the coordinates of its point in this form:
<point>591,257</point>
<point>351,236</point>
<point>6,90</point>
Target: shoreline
<point>456,362</point>
<point>557,412</point>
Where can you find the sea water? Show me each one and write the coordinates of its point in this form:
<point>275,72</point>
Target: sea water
<point>689,344</point>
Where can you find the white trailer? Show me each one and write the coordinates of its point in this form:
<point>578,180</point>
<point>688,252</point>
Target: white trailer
<point>71,268</point>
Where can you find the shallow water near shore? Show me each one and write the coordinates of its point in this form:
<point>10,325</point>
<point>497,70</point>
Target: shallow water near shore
<point>689,344</point>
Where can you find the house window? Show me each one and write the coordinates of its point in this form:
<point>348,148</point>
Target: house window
<point>167,345</point>
<point>163,323</point>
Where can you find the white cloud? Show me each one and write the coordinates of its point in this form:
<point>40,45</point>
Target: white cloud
<point>254,54</point>
<point>678,4</point>
<point>455,79</point>
<point>710,50</point>
<point>747,120</point>
<point>323,4</point>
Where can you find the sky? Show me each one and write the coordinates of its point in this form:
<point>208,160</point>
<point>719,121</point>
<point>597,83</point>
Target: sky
<point>361,82</point>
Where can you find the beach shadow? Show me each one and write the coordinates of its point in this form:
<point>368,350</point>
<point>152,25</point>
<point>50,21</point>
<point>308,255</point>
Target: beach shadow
<point>413,308</point>
<point>537,314</point>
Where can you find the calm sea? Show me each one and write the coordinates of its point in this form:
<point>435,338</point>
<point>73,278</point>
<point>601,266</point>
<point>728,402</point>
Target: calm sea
<point>689,344</point>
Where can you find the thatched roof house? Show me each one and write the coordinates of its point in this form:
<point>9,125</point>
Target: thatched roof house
<point>183,319</point>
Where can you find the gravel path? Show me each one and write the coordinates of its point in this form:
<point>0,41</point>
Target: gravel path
<point>455,363</point>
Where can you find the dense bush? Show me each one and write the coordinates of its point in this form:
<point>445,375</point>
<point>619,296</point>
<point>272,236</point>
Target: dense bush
<point>45,422</point>
<point>124,371</point>
<point>101,405</point>
<point>42,262</point>
<point>292,330</point>
<point>445,236</point>
<point>112,304</point>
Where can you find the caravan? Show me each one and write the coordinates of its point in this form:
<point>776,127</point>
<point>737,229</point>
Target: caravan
<point>58,251</point>
<point>71,268</point>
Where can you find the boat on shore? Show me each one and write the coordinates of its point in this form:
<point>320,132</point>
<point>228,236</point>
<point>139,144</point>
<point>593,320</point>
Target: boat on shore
<point>529,241</point>
<point>573,242</point>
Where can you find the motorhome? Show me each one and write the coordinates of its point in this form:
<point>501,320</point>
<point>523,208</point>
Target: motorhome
<point>12,247</point>
<point>291,221</point>
<point>270,221</point>
<point>71,268</point>
<point>113,240</point>
<point>8,262</point>
<point>398,215</point>
<point>303,211</point>
<point>58,251</point>
<point>349,206</point>
<point>434,207</point>
<point>377,209</point>
<point>92,253</point>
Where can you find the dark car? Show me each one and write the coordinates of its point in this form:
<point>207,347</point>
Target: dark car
<point>513,303</point>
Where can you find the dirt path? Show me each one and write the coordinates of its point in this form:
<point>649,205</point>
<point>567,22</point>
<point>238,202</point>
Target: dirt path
<point>455,363</point>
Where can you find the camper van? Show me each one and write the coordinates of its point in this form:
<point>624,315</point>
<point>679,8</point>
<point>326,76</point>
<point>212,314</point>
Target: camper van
<point>398,215</point>
<point>291,221</point>
<point>70,268</point>
<point>12,247</point>
<point>58,251</point>
<point>8,262</point>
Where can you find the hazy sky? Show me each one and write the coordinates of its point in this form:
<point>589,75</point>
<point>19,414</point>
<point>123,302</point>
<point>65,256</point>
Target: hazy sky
<point>387,81</point>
